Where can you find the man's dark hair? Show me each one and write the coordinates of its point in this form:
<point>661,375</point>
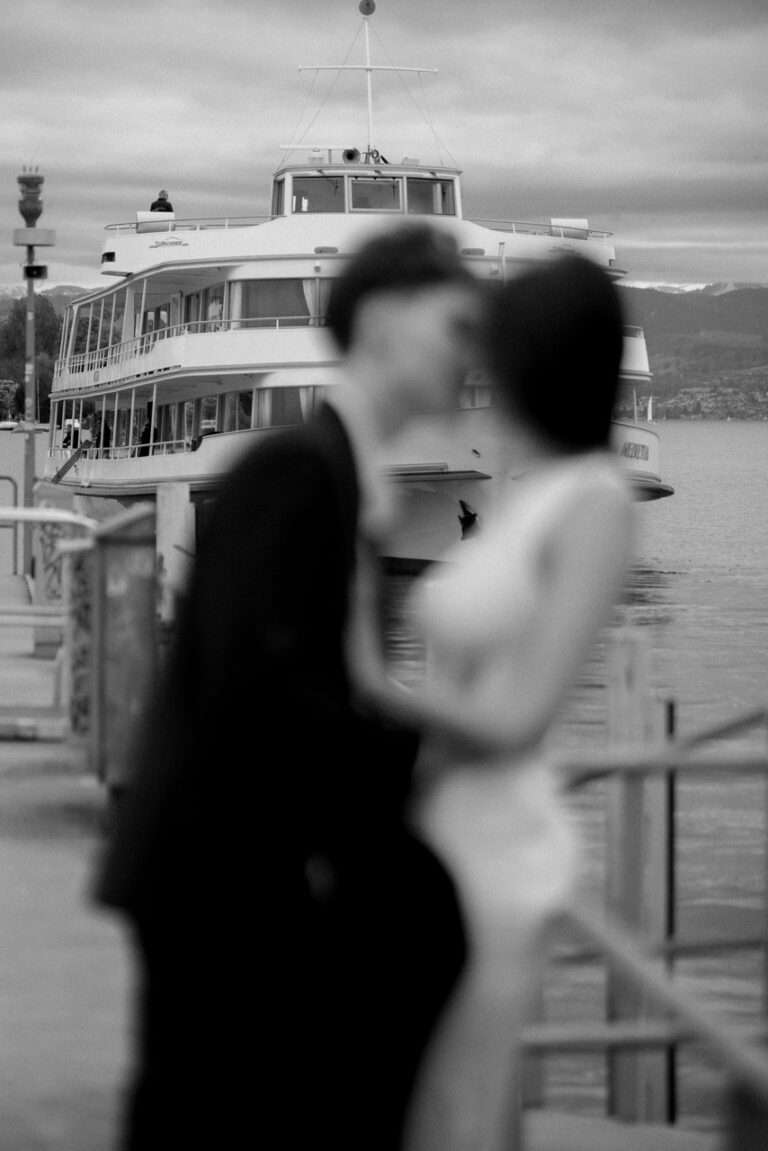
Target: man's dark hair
<point>554,340</point>
<point>405,259</point>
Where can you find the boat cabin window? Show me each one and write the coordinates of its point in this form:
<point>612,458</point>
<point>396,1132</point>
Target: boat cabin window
<point>372,193</point>
<point>282,407</point>
<point>237,411</point>
<point>318,194</point>
<point>155,319</point>
<point>476,392</point>
<point>213,306</point>
<point>82,332</point>
<point>287,303</point>
<point>192,310</point>
<point>430,197</point>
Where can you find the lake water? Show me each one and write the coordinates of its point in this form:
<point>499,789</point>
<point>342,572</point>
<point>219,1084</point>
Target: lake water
<point>698,592</point>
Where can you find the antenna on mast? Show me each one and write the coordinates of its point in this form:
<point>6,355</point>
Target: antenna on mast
<point>366,8</point>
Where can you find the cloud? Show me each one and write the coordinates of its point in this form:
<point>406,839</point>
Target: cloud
<point>648,115</point>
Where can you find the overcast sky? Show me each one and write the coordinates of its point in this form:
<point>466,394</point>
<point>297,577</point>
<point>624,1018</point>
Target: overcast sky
<point>649,119</point>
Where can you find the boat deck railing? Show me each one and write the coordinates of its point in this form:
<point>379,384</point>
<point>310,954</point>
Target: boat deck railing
<point>558,231</point>
<point>89,450</point>
<point>121,358</point>
<point>191,224</point>
<point>515,227</point>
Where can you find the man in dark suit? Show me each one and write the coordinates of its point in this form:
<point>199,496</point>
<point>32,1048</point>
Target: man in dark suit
<point>296,942</point>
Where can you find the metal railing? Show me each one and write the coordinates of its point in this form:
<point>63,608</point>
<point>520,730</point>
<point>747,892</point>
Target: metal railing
<point>559,231</point>
<point>124,355</point>
<point>195,224</point>
<point>648,1017</point>
<point>13,525</point>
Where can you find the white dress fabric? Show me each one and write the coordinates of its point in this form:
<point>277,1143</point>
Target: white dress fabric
<point>503,828</point>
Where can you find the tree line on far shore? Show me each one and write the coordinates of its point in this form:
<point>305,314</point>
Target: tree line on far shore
<point>13,345</point>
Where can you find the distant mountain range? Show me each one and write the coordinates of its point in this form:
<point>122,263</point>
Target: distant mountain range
<point>712,337</point>
<point>716,307</point>
<point>716,289</point>
<point>707,348</point>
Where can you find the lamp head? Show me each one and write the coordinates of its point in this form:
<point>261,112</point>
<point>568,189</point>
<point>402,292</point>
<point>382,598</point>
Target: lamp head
<point>30,204</point>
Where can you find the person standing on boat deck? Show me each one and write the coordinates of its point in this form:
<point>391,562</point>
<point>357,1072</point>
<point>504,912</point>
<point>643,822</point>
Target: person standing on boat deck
<point>162,203</point>
<point>508,624</point>
<point>100,432</point>
<point>296,941</point>
<point>146,438</point>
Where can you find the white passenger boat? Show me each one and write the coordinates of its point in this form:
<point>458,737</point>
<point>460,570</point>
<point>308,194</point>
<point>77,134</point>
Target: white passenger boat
<point>216,327</point>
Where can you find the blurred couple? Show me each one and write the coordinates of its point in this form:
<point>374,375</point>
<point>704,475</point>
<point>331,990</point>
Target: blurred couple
<point>337,885</point>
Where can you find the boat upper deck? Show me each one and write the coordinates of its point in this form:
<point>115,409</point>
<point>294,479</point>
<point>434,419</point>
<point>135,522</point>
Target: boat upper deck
<point>325,207</point>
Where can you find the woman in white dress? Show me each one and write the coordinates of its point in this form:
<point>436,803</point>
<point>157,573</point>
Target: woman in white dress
<point>508,623</point>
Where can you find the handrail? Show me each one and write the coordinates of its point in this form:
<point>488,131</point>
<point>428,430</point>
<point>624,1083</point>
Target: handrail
<point>43,515</point>
<point>675,755</point>
<point>627,951</point>
<point>14,526</point>
<point>642,959</point>
<point>195,223</point>
<point>97,359</point>
<point>561,231</point>
<point>201,223</point>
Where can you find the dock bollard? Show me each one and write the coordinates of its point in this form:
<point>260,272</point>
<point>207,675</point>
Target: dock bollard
<point>124,642</point>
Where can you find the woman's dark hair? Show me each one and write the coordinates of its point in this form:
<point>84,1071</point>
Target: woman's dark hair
<point>403,259</point>
<point>554,339</point>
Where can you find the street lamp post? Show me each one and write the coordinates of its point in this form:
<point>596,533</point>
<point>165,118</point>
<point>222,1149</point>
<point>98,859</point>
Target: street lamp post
<point>31,207</point>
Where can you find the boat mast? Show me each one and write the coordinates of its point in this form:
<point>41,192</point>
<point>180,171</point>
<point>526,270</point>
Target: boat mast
<point>367,8</point>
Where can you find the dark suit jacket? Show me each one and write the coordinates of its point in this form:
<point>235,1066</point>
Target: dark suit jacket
<point>263,844</point>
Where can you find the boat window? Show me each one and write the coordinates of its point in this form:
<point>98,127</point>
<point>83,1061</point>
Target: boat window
<point>156,319</point>
<point>237,411</point>
<point>430,197</point>
<point>278,197</point>
<point>213,308</point>
<point>318,194</point>
<point>376,193</point>
<point>192,311</point>
<point>81,333</point>
<point>121,434</point>
<point>209,412</point>
<point>278,407</point>
<point>272,303</point>
<point>476,393</point>
<point>116,320</point>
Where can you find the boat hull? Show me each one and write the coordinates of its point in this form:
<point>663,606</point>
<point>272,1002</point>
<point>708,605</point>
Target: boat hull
<point>448,472</point>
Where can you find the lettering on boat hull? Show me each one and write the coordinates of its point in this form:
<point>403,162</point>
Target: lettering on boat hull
<point>631,450</point>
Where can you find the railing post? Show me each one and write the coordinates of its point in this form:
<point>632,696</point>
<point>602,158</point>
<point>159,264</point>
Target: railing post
<point>637,869</point>
<point>124,648</point>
